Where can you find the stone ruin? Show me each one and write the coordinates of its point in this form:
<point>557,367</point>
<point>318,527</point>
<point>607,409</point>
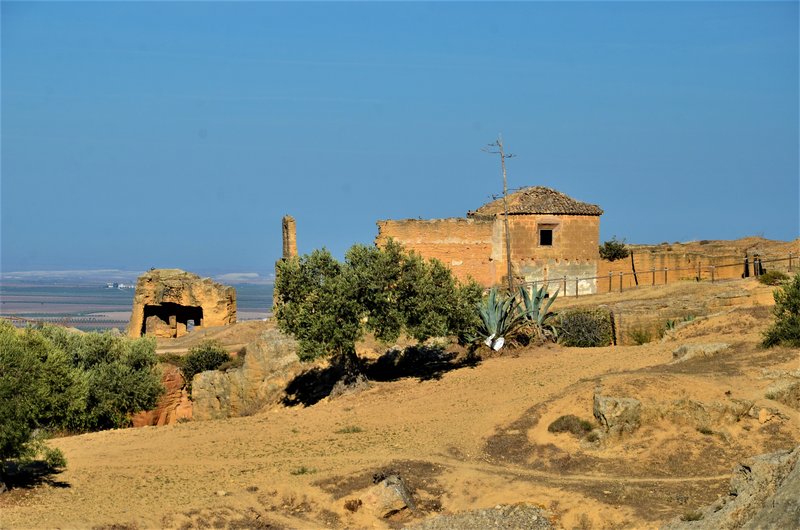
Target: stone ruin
<point>170,302</point>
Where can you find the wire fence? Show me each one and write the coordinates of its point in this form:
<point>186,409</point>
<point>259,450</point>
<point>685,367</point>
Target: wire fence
<point>616,281</point>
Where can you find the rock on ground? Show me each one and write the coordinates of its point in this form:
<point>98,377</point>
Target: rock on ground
<point>764,493</point>
<point>505,517</point>
<point>616,414</point>
<point>271,361</point>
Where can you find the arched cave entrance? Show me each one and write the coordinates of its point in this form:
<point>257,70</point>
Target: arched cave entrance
<point>170,319</point>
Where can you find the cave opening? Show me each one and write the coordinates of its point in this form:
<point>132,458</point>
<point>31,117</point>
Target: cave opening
<point>170,320</point>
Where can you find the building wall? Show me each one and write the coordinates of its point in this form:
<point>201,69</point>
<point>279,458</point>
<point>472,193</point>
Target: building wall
<point>464,245</point>
<point>476,248</point>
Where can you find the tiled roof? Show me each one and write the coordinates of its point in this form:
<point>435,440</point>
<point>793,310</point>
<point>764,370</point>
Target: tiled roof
<point>537,200</point>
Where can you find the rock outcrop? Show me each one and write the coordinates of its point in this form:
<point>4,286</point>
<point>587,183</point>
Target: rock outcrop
<point>167,302</point>
<point>764,493</point>
<point>271,361</point>
<point>174,405</point>
<point>617,415</point>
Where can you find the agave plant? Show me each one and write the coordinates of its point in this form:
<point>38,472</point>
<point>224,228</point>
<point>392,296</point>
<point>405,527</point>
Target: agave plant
<point>536,311</point>
<point>502,317</point>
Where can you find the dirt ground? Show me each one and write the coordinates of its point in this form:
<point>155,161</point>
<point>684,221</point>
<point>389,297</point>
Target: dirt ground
<point>465,438</point>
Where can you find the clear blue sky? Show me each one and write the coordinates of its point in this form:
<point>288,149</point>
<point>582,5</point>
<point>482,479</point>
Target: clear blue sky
<point>178,134</point>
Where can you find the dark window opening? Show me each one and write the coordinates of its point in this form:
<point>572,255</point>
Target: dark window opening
<point>546,237</point>
<point>170,320</point>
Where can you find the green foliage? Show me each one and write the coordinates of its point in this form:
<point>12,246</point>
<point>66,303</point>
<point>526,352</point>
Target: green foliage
<point>328,305</point>
<point>502,319</point>
<point>613,249</point>
<point>208,355</point>
<point>585,327</point>
<point>53,380</point>
<point>571,424</point>
<point>537,312</point>
<point>773,278</point>
<point>640,335</point>
<point>786,327</point>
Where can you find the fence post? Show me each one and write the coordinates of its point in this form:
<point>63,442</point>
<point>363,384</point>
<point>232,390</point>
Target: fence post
<point>620,282</point>
<point>699,272</point>
<point>610,288</point>
<point>576,287</point>
<point>790,261</point>
<point>653,271</point>
<point>665,275</point>
<point>565,285</point>
<point>712,273</point>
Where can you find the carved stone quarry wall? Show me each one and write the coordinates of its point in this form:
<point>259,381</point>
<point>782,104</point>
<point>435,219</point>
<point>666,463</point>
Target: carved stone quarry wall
<point>167,302</point>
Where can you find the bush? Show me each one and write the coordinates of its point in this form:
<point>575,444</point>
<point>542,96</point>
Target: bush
<point>585,327</point>
<point>640,335</point>
<point>773,278</point>
<point>613,249</point>
<point>53,380</point>
<point>208,355</point>
<point>786,327</point>
<point>571,424</point>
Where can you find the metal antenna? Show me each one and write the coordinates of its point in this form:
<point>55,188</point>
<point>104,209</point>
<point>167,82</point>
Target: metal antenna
<point>496,148</point>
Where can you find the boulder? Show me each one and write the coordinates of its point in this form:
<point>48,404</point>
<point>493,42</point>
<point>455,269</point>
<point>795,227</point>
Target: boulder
<point>270,363</point>
<point>166,300</point>
<point>764,493</point>
<point>387,497</point>
<point>617,414</point>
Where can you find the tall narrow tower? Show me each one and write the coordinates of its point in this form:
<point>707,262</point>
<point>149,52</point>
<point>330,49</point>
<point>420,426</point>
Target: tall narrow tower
<point>289,228</point>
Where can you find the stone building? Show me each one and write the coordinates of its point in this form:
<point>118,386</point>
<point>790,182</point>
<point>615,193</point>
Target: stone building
<point>167,302</point>
<point>551,236</point>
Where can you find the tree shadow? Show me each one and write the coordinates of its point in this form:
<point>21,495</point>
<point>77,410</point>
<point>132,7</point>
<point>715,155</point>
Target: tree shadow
<point>30,475</point>
<point>422,362</point>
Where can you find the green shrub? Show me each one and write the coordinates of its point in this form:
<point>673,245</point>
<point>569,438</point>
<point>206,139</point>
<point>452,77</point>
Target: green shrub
<point>585,327</point>
<point>208,355</point>
<point>537,314</point>
<point>237,361</point>
<point>54,380</point>
<point>571,424</point>
<point>786,327</point>
<point>773,278</point>
<point>640,335</point>
<point>613,249</point>
<point>501,319</point>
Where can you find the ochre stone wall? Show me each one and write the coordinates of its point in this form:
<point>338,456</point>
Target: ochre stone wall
<point>175,291</point>
<point>476,247</point>
<point>464,245</point>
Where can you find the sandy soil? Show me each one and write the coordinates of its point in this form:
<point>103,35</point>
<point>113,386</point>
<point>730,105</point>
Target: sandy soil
<point>469,438</point>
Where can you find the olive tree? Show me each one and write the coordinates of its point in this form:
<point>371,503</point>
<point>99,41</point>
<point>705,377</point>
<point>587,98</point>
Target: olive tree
<point>328,305</point>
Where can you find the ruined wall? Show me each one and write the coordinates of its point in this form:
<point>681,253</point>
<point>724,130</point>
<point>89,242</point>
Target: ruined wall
<point>166,297</point>
<point>476,247</point>
<point>467,246</point>
<point>682,264</point>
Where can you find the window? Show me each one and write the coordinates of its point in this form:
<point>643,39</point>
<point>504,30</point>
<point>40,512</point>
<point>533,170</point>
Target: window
<point>545,237</point>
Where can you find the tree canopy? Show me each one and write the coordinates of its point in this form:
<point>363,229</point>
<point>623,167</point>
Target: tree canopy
<point>328,305</point>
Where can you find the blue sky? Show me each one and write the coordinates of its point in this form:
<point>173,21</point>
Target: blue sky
<point>178,134</point>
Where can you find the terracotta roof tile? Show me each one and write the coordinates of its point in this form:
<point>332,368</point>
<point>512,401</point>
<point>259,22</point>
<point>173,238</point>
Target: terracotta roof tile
<point>537,200</point>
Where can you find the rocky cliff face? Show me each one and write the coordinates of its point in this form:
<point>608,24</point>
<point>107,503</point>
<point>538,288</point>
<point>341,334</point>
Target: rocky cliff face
<point>167,302</point>
<point>764,493</point>
<point>174,405</point>
<point>270,363</point>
